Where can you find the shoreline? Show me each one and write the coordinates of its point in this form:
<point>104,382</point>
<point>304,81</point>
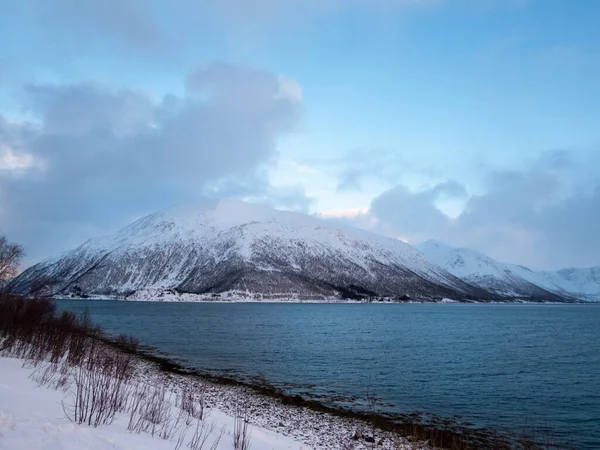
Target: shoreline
<point>286,425</point>
<point>204,298</point>
<point>434,433</point>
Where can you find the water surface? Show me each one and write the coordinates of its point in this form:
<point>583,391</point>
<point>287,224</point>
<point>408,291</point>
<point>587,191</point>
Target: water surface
<point>493,365</point>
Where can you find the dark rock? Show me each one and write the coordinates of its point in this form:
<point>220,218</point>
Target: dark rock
<point>295,400</point>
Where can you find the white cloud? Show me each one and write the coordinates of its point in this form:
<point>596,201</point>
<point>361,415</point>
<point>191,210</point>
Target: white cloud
<point>109,154</point>
<point>9,160</point>
<point>290,89</point>
<point>349,213</point>
<point>534,216</point>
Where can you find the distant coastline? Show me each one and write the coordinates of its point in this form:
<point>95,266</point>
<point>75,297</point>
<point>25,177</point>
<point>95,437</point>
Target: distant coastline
<point>170,296</point>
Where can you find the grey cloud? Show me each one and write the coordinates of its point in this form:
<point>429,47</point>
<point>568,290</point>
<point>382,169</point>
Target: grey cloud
<point>414,214</point>
<point>531,217</point>
<point>360,165</point>
<point>104,156</point>
<point>86,108</point>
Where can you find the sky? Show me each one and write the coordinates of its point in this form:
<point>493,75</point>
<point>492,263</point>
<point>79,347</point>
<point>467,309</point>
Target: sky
<point>472,122</point>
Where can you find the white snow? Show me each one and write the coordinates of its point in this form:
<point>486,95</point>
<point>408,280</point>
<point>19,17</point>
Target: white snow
<point>32,417</point>
<point>583,283</point>
<point>511,279</point>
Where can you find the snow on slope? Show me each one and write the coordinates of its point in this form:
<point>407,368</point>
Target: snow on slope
<point>583,284</point>
<point>32,418</point>
<point>227,245</point>
<point>513,280</point>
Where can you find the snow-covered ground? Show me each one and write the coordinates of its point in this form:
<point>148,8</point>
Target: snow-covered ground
<point>32,417</point>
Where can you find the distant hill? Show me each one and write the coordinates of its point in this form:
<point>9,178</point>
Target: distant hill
<point>511,279</point>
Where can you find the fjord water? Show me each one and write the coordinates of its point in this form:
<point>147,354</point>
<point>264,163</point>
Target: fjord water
<point>492,365</point>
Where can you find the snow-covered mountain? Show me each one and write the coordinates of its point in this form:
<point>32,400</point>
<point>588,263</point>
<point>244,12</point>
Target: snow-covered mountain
<point>583,284</point>
<point>223,246</point>
<point>511,279</point>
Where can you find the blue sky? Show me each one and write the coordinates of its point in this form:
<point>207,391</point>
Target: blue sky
<point>470,121</point>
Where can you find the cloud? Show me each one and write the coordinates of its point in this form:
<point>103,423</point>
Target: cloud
<point>358,166</point>
<point>539,216</point>
<point>104,156</point>
<point>415,214</point>
<point>349,213</point>
<point>14,162</point>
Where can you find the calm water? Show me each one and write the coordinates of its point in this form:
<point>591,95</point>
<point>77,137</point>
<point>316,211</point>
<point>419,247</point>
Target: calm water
<point>493,365</point>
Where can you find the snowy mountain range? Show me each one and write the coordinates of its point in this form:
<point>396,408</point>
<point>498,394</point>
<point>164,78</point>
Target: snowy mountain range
<point>235,249</point>
<point>226,246</point>
<point>513,280</point>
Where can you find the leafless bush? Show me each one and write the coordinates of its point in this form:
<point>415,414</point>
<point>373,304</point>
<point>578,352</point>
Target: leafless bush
<point>201,435</point>
<point>150,411</point>
<point>10,258</point>
<point>32,330</point>
<point>241,429</point>
<point>173,425</point>
<point>101,388</point>
<point>181,437</point>
<point>67,351</point>
<point>53,375</point>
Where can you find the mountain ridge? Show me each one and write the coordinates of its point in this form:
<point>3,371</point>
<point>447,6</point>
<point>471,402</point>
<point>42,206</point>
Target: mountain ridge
<point>512,279</point>
<point>211,247</point>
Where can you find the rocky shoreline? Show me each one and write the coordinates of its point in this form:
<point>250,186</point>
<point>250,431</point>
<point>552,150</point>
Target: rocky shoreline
<point>318,430</point>
<point>317,424</point>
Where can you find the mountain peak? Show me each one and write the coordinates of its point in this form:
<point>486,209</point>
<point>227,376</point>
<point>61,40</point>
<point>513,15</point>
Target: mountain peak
<point>511,279</point>
<point>213,246</point>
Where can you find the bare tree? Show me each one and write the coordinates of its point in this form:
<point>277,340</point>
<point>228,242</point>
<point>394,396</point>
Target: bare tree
<point>10,258</point>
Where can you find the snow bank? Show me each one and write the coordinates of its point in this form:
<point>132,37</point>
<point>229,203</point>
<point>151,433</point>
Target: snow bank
<point>32,417</point>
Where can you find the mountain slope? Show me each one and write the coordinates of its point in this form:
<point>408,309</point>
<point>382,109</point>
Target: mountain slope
<point>514,280</point>
<point>220,246</point>
<point>583,284</point>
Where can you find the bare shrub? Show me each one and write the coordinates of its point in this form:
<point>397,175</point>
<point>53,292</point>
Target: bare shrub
<point>150,411</point>
<point>172,426</point>
<point>53,375</point>
<point>201,435</point>
<point>181,437</point>
<point>10,258</point>
<point>241,429</point>
<point>101,388</point>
